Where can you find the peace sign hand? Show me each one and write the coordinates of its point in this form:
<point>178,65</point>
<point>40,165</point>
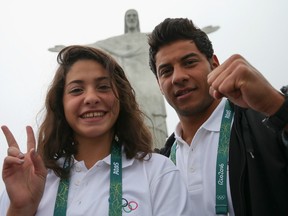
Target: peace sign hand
<point>24,175</point>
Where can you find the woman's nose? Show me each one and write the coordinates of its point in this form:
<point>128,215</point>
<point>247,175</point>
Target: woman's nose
<point>91,97</point>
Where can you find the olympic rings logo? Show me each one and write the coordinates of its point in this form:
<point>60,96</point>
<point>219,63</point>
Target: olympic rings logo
<point>220,197</point>
<point>129,206</point>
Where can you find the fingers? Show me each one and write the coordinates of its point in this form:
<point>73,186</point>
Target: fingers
<point>9,137</point>
<point>38,163</point>
<point>9,161</point>
<point>13,149</point>
<point>214,93</point>
<point>31,142</point>
<point>14,156</point>
<point>244,85</point>
<point>226,68</point>
<point>14,152</point>
<point>229,78</point>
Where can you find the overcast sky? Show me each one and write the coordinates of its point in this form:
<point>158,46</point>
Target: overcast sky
<point>256,29</point>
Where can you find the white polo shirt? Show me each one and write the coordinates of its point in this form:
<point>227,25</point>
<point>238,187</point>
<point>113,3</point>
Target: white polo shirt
<point>150,187</point>
<point>197,164</point>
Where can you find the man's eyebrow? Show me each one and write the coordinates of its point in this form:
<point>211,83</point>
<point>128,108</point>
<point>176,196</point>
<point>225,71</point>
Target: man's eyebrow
<point>162,66</point>
<point>189,55</point>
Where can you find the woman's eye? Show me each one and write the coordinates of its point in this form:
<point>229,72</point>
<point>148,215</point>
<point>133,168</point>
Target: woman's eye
<point>75,91</point>
<point>104,87</point>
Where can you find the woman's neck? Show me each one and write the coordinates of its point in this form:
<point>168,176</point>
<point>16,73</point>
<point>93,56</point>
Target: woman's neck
<point>92,150</point>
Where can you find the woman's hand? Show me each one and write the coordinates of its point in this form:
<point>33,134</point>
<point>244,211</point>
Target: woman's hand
<point>24,175</point>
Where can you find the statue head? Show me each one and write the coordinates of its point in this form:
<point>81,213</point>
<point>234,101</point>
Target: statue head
<point>131,21</point>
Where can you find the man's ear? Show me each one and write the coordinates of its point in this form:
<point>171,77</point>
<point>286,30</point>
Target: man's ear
<point>214,62</point>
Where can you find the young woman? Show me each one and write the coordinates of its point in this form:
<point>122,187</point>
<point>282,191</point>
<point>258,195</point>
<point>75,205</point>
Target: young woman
<point>94,152</point>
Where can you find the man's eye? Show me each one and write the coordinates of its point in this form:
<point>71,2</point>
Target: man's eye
<point>190,62</point>
<point>165,71</point>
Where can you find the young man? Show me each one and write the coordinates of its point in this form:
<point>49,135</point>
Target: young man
<point>232,161</point>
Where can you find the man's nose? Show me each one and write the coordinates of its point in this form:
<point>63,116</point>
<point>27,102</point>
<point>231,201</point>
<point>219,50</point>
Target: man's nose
<point>179,75</point>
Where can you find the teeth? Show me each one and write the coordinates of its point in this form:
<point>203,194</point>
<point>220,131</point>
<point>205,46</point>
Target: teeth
<point>183,92</point>
<point>92,115</point>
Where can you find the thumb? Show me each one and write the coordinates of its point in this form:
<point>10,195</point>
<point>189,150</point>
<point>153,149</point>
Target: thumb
<point>39,167</point>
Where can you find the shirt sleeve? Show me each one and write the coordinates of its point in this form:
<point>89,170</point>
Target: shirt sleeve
<point>169,193</point>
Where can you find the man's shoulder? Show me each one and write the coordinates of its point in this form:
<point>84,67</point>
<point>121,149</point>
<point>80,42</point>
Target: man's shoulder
<point>167,147</point>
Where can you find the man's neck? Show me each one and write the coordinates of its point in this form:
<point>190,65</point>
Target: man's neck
<point>191,124</point>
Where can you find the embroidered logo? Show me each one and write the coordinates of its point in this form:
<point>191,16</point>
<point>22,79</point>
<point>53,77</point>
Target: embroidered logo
<point>129,206</point>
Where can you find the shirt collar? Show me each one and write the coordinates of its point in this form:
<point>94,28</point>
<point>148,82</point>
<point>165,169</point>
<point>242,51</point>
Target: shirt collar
<point>213,123</point>
<point>125,162</point>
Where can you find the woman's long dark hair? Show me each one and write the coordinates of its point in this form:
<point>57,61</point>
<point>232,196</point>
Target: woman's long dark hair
<point>55,138</point>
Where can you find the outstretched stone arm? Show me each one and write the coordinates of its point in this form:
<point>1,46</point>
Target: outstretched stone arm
<point>56,48</point>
